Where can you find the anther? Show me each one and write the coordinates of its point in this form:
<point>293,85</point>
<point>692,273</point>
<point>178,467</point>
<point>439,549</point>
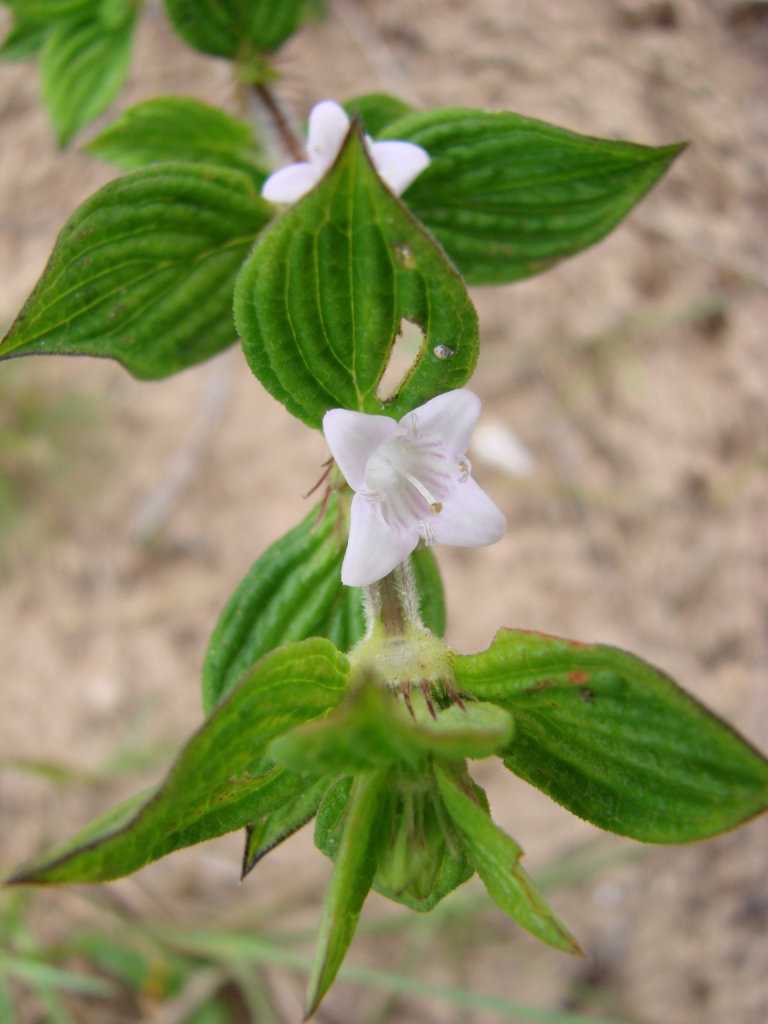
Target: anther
<point>466,469</point>
<point>435,507</point>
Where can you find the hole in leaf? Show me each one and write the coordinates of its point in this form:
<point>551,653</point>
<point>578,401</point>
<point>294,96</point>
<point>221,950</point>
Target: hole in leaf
<point>403,357</point>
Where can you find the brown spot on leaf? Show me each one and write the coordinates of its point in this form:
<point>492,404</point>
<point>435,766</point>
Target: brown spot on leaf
<point>578,677</point>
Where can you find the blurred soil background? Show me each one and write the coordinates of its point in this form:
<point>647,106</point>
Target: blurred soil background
<point>636,375</point>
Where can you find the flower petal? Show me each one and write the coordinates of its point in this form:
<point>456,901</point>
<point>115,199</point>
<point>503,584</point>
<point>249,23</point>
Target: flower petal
<point>328,127</point>
<point>353,437</point>
<point>290,183</point>
<point>398,163</point>
<point>373,549</point>
<point>470,519</point>
<point>451,417</point>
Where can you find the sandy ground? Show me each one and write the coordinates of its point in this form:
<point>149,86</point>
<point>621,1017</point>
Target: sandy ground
<point>636,375</point>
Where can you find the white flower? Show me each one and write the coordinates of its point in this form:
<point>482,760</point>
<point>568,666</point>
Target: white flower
<point>412,481</point>
<point>398,163</point>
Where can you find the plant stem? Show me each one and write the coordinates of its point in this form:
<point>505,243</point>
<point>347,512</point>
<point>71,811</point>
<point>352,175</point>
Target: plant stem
<point>391,613</point>
<point>290,141</point>
<point>394,601</point>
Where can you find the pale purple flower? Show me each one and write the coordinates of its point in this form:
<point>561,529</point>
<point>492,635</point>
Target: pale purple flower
<point>412,481</point>
<point>398,163</point>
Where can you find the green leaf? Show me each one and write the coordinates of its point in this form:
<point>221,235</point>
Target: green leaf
<point>615,740</point>
<point>376,110</point>
<point>44,12</point>
<point>143,272</point>
<point>271,829</point>
<point>221,781</point>
<point>429,584</point>
<point>290,593</point>
<point>295,591</point>
<point>495,857</point>
<point>419,853</point>
<point>178,128</point>
<point>226,28</point>
<point>43,975</point>
<point>257,949</point>
<point>320,301</point>
<point>8,1013</point>
<point>370,729</point>
<point>23,41</point>
<point>508,196</point>
<point>83,65</point>
<point>353,871</point>
<point>134,959</point>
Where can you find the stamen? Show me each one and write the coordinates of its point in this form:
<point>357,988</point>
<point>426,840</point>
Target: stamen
<point>375,497</point>
<point>427,532</point>
<point>411,425</point>
<point>466,469</point>
<point>434,505</point>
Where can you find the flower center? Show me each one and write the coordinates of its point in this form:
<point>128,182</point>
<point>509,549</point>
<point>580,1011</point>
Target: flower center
<point>401,463</point>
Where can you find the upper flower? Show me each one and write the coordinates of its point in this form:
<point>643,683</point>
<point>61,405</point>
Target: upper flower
<point>398,163</point>
<point>412,481</point>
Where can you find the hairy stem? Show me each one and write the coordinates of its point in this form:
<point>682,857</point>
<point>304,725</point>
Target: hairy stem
<point>394,601</point>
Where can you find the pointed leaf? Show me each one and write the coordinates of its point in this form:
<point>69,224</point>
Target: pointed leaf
<point>496,856</point>
<point>83,65</point>
<point>295,591</point>
<point>615,740</point>
<point>353,871</point>
<point>43,12</point>
<point>290,593</point>
<point>320,301</point>
<point>22,42</point>
<point>222,779</point>
<point>143,272</point>
<point>376,110</point>
<point>370,729</point>
<point>508,196</point>
<point>178,128</point>
<point>225,28</point>
<point>271,829</point>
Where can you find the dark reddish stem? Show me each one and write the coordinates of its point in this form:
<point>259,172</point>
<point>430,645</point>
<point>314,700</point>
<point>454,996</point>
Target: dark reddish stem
<point>280,121</point>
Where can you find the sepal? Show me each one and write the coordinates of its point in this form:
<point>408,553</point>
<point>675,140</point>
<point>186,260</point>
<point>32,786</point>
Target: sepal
<point>496,858</point>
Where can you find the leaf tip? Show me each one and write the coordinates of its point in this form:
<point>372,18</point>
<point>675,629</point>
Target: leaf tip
<point>24,874</point>
<point>317,989</point>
